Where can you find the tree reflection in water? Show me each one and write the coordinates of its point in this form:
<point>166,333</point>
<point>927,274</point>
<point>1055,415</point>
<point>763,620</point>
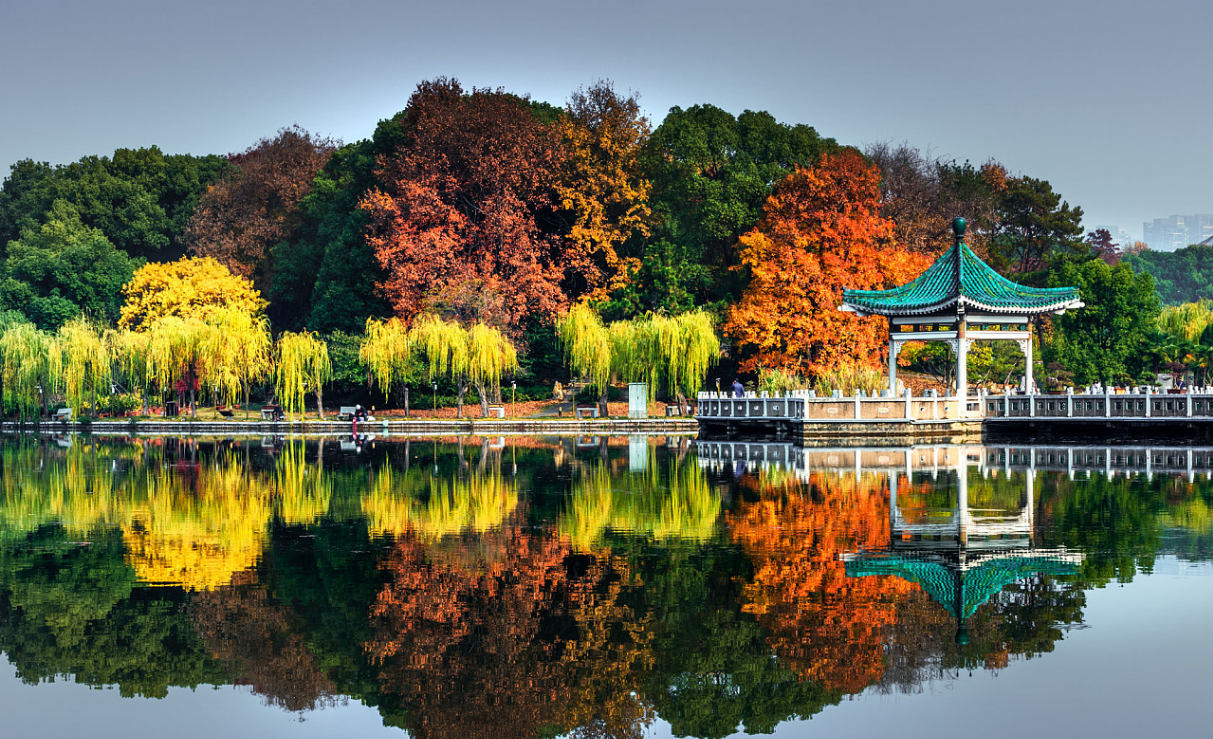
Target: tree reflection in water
<point>533,587</point>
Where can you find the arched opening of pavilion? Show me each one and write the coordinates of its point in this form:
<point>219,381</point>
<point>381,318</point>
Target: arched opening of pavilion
<point>958,300</point>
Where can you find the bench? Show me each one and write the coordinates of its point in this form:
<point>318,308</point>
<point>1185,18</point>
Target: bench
<point>270,413</point>
<point>347,412</point>
<point>673,410</point>
<point>63,415</point>
<point>224,411</point>
<point>587,410</point>
<point>496,410</point>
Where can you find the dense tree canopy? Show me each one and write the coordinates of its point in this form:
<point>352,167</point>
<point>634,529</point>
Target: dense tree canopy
<point>492,210</point>
<point>1105,340</point>
<point>62,268</point>
<point>1182,276</point>
<point>140,199</point>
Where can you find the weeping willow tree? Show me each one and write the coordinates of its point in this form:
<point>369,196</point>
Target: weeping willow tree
<point>587,348</point>
<point>677,505</point>
<point>33,368</point>
<point>480,356</point>
<point>1188,321</point>
<point>177,353</point>
<point>131,362</point>
<point>673,352</point>
<point>490,356</point>
<point>86,361</point>
<point>302,362</point>
<point>433,507</point>
<point>238,353</point>
<point>386,352</point>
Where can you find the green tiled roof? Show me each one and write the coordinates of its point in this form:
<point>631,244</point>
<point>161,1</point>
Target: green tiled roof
<point>960,277</point>
<point>961,592</point>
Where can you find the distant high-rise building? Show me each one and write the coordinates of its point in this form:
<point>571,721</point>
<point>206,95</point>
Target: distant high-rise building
<point>1176,232</point>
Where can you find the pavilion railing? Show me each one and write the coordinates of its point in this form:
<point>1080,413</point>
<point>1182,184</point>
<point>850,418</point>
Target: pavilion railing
<point>805,406</point>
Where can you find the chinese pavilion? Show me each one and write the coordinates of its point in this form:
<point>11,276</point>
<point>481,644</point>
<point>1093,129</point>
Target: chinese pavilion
<point>959,299</point>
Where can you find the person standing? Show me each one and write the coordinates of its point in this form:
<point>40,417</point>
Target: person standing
<point>738,389</point>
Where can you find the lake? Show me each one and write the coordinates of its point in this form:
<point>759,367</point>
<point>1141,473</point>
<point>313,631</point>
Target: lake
<point>601,587</point>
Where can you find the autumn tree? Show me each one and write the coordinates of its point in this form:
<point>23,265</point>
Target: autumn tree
<point>198,287</point>
<point>464,201</point>
<point>821,233</point>
<point>254,205</point>
<point>603,192</point>
<point>827,626</point>
<point>460,639</point>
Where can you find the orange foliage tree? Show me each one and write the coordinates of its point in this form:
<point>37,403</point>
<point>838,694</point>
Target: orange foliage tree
<point>821,232</point>
<point>828,627</point>
<point>467,205</point>
<point>603,193</point>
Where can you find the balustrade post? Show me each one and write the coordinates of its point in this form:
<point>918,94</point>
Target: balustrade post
<point>1189,402</point>
<point>1069,402</point>
<point>1148,410</point>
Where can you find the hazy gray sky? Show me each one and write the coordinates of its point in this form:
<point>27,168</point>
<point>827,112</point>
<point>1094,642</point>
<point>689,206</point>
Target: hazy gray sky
<point>1109,101</point>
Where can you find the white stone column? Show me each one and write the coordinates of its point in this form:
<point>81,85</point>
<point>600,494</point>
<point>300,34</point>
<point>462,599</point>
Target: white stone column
<point>893,350</point>
<point>962,365</point>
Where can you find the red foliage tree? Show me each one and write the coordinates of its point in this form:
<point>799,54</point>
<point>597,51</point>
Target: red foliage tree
<point>240,218</point>
<point>467,203</point>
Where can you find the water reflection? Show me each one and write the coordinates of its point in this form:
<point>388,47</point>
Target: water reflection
<point>550,586</point>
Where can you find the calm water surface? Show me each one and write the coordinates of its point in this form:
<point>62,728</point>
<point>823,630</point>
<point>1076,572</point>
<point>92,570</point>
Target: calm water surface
<point>622,587</point>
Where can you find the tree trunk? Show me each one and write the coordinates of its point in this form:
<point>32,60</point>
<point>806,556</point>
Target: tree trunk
<point>602,402</point>
<point>461,388</point>
<point>406,403</point>
<point>684,407</point>
<point>192,381</point>
<point>319,402</point>
<point>484,400</point>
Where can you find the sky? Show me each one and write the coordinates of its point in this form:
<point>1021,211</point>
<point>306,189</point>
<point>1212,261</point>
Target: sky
<point>1107,101</point>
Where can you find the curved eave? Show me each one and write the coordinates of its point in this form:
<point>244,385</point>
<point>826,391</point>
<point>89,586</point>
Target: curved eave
<point>863,310</point>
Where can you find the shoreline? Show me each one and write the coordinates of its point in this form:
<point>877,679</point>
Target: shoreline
<point>477,426</point>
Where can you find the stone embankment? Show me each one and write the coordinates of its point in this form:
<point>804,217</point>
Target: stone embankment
<point>476,426</point>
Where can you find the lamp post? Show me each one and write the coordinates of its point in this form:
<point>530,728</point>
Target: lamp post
<point>435,404</point>
<point>513,396</point>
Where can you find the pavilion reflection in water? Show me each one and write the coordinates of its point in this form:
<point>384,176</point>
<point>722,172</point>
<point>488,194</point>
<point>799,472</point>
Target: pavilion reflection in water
<point>961,555</point>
